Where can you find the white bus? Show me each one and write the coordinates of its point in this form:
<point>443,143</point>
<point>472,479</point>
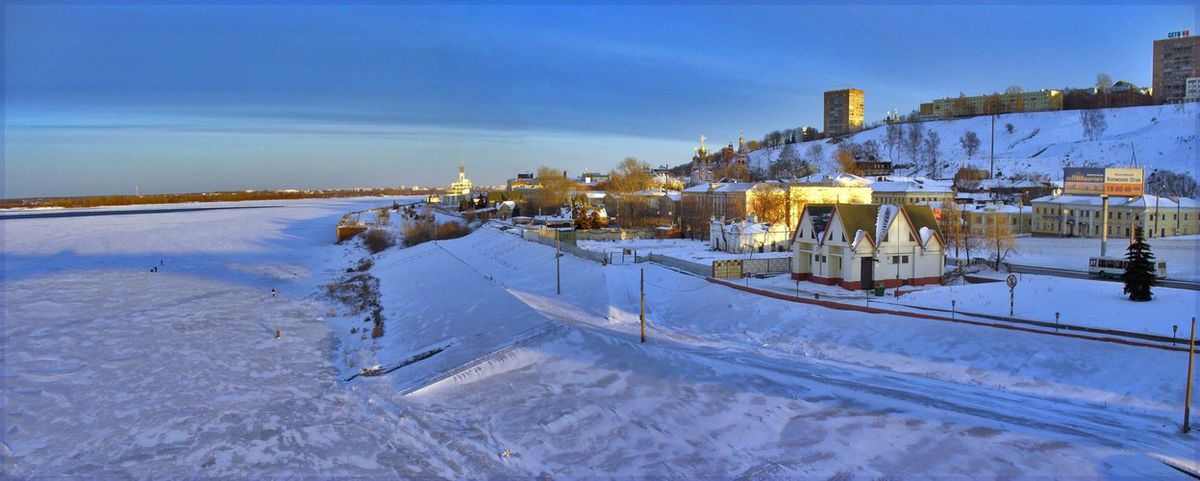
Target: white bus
<point>1115,267</point>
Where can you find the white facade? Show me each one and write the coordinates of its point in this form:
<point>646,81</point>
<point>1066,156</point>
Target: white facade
<point>742,237</point>
<point>861,246</point>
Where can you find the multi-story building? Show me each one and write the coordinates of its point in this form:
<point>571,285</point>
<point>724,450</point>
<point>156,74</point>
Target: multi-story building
<point>843,111</point>
<point>1035,101</point>
<point>842,189</point>
<point>1175,60</point>
<point>700,204</point>
<point>911,191</point>
<point>1018,218</point>
<point>1079,215</point>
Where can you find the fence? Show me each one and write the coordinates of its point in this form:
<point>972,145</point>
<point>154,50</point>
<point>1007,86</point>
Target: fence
<point>703,270</point>
<point>770,265</point>
<point>546,237</point>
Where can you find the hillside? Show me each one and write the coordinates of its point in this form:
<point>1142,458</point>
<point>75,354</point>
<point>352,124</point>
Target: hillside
<point>1162,136</point>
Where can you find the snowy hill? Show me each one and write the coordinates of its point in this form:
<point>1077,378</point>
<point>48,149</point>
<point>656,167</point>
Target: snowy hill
<point>1161,136</point>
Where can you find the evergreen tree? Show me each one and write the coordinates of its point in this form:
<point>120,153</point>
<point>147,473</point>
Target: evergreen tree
<point>1139,269</point>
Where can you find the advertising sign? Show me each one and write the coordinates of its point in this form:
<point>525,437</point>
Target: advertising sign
<point>1123,182</point>
<point>1083,180</point>
<point>1114,181</point>
<point>1179,34</point>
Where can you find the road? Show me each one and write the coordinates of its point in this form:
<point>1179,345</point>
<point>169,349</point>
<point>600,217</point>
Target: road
<point>1050,271</point>
<point>1074,274</point>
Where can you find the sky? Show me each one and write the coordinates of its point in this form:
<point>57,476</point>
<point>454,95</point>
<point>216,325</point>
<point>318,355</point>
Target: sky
<point>109,99</point>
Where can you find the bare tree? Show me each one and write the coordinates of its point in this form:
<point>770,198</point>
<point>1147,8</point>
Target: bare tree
<point>1103,82</point>
<point>999,238</point>
<point>1093,123</point>
<point>769,204</point>
<point>815,154</point>
<point>893,139</point>
<point>1165,183</point>
<point>913,138</point>
<point>932,147</point>
<point>631,175</point>
<point>970,143</point>
<point>1013,89</point>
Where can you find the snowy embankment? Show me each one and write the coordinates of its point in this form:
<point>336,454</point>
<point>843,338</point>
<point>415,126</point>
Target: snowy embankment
<point>731,383</point>
<point>116,371</point>
<point>1159,136</point>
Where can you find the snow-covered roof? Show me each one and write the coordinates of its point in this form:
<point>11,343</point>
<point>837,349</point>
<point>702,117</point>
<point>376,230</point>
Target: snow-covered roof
<point>722,187</point>
<point>998,209</point>
<point>1136,202</point>
<point>910,186</point>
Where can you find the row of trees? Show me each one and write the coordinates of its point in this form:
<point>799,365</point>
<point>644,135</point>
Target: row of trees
<point>996,236</point>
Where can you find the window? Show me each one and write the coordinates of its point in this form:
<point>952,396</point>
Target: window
<point>895,259</point>
<point>904,260</point>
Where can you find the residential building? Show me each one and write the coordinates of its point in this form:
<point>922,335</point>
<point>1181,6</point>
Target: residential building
<point>840,189</point>
<point>1079,215</point>
<point>905,191</point>
<point>859,246</point>
<point>1192,90</point>
<point>996,103</point>
<point>1121,94</point>
<point>702,203</point>
<point>1007,191</point>
<point>978,217</point>
<point>843,111</point>
<point>647,208</point>
<point>1175,60</point>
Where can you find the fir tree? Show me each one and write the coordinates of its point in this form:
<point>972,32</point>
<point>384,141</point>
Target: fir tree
<point>1139,269</point>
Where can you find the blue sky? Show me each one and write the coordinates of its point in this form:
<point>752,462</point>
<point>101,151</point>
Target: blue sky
<point>98,99</point>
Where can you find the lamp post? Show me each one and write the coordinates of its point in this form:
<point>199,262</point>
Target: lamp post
<point>953,311</point>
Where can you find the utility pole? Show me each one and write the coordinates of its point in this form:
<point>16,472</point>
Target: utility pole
<point>557,261</point>
<point>1104,224</point>
<point>992,151</point>
<point>642,313</point>
<point>1187,403</point>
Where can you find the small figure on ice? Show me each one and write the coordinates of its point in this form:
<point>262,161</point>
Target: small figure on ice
<point>272,292</point>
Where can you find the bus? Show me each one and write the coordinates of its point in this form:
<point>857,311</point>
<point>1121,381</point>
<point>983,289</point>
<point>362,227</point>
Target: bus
<point>1105,267</point>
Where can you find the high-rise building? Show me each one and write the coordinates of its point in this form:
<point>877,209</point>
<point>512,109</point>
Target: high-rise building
<point>843,111</point>
<point>1175,59</point>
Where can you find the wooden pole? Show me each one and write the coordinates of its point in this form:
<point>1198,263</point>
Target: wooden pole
<point>557,261</point>
<point>1187,403</point>
<point>642,310</point>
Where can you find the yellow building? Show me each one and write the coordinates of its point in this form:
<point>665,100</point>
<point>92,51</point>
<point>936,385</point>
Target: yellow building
<point>843,111</point>
<point>910,191</point>
<point>843,189</point>
<point>1037,101</point>
<point>1018,218</point>
<point>1078,215</point>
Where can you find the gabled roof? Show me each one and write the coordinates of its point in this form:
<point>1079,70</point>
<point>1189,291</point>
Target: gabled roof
<point>815,212</point>
<point>922,216</point>
<point>866,218</point>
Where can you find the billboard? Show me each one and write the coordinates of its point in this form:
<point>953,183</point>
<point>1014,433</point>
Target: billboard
<point>1083,180</point>
<point>1114,181</point>
<point>1124,182</point>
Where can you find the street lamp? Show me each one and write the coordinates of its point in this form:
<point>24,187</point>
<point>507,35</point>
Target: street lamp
<point>952,309</point>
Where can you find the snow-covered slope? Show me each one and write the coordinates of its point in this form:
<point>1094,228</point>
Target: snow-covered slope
<point>1160,136</point>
